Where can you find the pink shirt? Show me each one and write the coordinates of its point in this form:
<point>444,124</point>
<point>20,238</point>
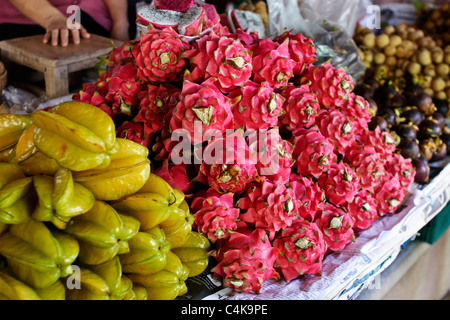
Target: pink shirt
<point>95,8</point>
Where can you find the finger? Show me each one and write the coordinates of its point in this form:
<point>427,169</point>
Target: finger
<point>64,33</point>
<point>76,36</point>
<point>55,34</point>
<point>84,33</point>
<point>47,37</point>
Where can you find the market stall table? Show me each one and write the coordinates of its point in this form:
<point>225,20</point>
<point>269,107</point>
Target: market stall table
<point>56,62</point>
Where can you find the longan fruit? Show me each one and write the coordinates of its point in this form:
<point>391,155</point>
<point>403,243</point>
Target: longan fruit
<point>382,40</point>
<point>369,40</point>
<point>424,57</point>
<point>379,58</point>
<point>389,50</point>
<point>414,68</point>
<point>395,40</point>
<point>442,69</point>
<point>438,84</point>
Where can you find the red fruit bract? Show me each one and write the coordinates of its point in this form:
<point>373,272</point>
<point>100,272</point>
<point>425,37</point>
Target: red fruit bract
<point>300,107</point>
<point>159,56</point>
<point>216,219</point>
<point>202,110</point>
<point>302,249</point>
<point>272,63</point>
<point>224,58</point>
<point>133,131</point>
<point>313,152</point>
<point>256,106</point>
<point>269,205</point>
<point>336,226</point>
<point>301,50</point>
<point>363,210</point>
<point>340,183</point>
<point>175,5</point>
<point>309,194</point>
<point>154,106</point>
<point>175,175</point>
<point>274,155</point>
<point>332,85</point>
<point>245,260</point>
<point>228,164</point>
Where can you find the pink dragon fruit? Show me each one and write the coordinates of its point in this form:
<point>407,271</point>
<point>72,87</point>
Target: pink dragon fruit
<point>122,53</point>
<point>272,63</point>
<point>389,195</point>
<point>245,260</point>
<point>175,175</point>
<point>336,226</point>
<point>212,18</point>
<point>202,110</point>
<point>269,205</point>
<point>309,194</point>
<point>154,106</point>
<point>340,183</point>
<point>368,164</point>
<point>216,219</point>
<point>300,107</point>
<point>187,23</point>
<point>246,38</point>
<point>332,85</point>
<point>159,56</point>
<point>192,22</point>
<point>382,141</point>
<point>363,210</point>
<point>94,94</point>
<point>228,164</point>
<point>358,110</point>
<point>180,6</point>
<point>338,128</point>
<point>313,152</point>
<point>301,49</point>
<point>301,249</point>
<point>133,131</point>
<point>223,58</point>
<point>274,155</point>
<point>256,106</point>
<point>396,164</point>
<point>124,89</point>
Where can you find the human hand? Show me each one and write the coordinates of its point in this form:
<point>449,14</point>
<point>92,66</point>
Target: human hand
<point>57,31</point>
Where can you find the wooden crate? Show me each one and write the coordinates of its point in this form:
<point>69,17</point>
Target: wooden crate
<point>56,62</point>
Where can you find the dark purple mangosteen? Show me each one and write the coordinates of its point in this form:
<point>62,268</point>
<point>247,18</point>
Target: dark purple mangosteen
<point>441,150</point>
<point>422,170</point>
<point>390,116</point>
<point>398,101</point>
<point>445,137</point>
<point>441,106</point>
<point>427,148</point>
<point>379,122</point>
<point>406,131</point>
<point>409,148</point>
<point>412,115</point>
<point>439,118</point>
<point>424,102</point>
<point>429,128</point>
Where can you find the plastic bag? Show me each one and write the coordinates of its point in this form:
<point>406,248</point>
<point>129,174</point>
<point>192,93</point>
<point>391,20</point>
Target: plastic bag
<point>333,39</point>
<point>20,101</point>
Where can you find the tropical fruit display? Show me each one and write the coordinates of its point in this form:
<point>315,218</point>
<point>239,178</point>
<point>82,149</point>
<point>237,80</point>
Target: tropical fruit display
<point>273,152</point>
<point>82,217</point>
<point>401,52</point>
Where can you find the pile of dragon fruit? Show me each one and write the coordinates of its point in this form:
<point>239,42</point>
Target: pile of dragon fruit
<point>280,169</point>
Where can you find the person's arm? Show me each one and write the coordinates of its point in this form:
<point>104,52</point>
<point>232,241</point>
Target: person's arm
<point>51,19</point>
<point>118,9</point>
